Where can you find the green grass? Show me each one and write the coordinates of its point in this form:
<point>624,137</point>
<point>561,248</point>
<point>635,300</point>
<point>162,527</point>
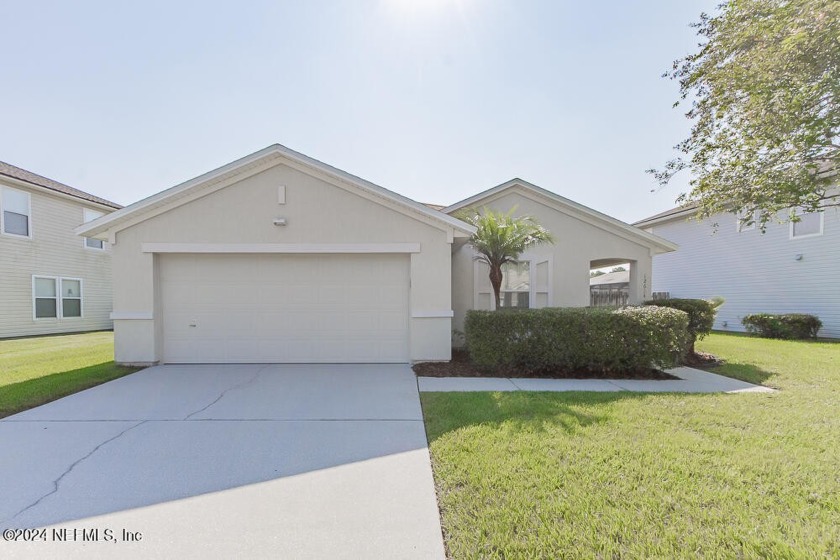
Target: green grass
<point>619,475</point>
<point>34,371</point>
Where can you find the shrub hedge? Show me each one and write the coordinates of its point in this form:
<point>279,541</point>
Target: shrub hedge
<point>701,315</point>
<point>789,326</point>
<point>597,340</point>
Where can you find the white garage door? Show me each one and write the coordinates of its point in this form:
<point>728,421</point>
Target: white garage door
<point>284,308</point>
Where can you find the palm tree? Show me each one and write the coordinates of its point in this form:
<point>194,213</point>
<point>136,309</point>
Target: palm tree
<point>500,239</point>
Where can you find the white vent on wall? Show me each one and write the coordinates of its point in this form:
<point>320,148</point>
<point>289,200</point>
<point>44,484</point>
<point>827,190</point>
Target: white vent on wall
<point>281,194</point>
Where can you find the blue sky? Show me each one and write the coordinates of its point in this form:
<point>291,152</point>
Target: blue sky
<point>435,99</point>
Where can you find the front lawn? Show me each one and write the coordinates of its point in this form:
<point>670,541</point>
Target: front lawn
<point>34,371</point>
<point>609,475</point>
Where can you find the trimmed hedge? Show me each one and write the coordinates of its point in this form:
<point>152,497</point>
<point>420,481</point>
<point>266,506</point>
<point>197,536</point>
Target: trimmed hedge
<point>701,315</point>
<point>596,340</point>
<point>788,326</point>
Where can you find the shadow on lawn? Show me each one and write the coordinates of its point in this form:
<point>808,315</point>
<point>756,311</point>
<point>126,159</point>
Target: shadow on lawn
<point>522,411</point>
<point>745,372</point>
<point>17,397</point>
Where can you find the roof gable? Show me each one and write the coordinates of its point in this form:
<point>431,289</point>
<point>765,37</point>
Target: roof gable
<point>569,207</point>
<point>255,163</point>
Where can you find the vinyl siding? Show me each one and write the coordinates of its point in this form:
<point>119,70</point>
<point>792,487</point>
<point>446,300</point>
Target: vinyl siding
<point>754,272</point>
<point>53,250</point>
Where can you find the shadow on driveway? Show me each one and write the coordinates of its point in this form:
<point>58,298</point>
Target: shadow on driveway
<point>322,460</point>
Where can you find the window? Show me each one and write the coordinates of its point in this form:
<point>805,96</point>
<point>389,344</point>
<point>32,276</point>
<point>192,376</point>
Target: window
<point>90,242</point>
<point>809,224</point>
<point>71,297</point>
<point>516,284</point>
<point>16,212</point>
<point>46,300</point>
<point>57,298</point>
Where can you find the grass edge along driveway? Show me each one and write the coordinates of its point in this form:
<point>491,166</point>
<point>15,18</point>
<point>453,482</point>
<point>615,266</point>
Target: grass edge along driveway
<point>629,475</point>
<point>37,370</point>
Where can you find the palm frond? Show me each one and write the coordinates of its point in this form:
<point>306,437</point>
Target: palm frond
<point>500,237</point>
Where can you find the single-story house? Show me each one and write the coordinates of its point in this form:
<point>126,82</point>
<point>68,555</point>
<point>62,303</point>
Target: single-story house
<point>52,280</point>
<point>278,257</point>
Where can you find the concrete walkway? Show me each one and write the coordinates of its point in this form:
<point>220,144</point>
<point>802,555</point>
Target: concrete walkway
<point>224,462</point>
<point>690,381</point>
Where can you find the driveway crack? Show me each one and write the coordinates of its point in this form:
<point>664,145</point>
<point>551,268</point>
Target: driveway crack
<point>226,391</point>
<point>57,481</point>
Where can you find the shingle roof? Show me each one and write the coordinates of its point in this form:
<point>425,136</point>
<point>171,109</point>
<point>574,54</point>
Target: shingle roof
<point>666,214</point>
<point>620,277</point>
<point>23,175</point>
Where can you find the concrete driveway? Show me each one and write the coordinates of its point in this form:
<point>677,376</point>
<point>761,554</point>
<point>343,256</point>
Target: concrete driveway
<point>254,461</point>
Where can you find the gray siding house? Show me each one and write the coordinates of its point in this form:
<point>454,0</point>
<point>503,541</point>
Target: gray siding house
<point>790,268</point>
<point>51,280</point>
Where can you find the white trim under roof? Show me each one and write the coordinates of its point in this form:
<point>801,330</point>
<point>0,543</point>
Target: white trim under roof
<point>256,162</point>
<point>580,211</point>
<point>288,248</point>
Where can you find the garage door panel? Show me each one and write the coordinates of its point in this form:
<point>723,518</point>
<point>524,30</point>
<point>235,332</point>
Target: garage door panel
<point>223,294</point>
<point>285,308</point>
<point>391,322</point>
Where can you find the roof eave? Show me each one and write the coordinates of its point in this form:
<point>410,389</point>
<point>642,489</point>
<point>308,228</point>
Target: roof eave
<point>59,194</point>
<point>114,220</point>
<point>655,242</point>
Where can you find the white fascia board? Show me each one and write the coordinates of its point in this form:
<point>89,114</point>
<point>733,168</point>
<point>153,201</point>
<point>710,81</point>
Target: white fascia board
<point>111,221</point>
<point>163,200</point>
<point>468,202</point>
<point>283,248</point>
<point>358,182</point>
<point>176,200</point>
<point>571,208</point>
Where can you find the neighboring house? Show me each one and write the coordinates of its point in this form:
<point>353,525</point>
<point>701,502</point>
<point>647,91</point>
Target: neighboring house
<point>277,257</point>
<point>53,281</point>
<point>792,267</point>
<point>611,288</point>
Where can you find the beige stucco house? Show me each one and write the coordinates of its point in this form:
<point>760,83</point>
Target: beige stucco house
<point>278,257</point>
<point>52,280</point>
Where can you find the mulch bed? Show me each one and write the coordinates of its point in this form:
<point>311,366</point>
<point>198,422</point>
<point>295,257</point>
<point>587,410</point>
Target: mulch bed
<point>460,366</point>
<point>702,360</point>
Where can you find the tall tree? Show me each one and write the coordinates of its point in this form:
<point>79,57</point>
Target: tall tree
<point>501,238</point>
<point>764,90</point>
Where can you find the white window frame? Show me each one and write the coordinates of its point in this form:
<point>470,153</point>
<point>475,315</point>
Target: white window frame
<point>86,219</point>
<point>3,189</point>
<point>807,235</point>
<point>531,271</point>
<point>59,299</point>
<point>81,297</point>
<point>534,260</point>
